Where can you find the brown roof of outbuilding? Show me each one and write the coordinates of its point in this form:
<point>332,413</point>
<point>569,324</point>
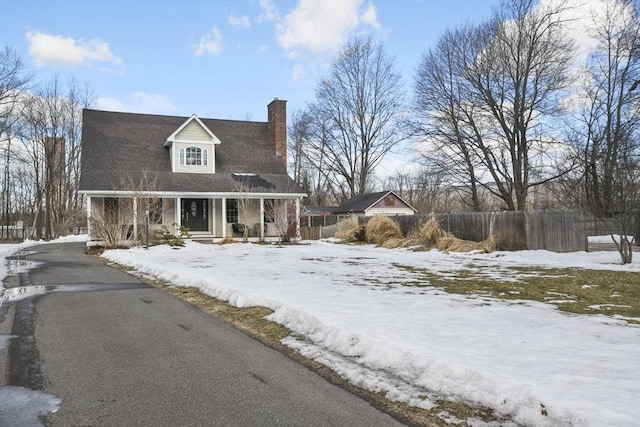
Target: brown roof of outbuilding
<point>123,148</point>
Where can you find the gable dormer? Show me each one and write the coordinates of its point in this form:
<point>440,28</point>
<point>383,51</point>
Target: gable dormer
<point>192,147</point>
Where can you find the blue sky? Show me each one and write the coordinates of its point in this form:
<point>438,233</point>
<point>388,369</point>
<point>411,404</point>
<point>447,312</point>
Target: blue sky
<point>216,58</point>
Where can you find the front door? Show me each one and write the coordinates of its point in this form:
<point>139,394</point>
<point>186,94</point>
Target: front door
<point>194,214</point>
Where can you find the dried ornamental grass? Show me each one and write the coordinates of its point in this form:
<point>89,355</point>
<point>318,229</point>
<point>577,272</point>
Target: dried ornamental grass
<point>489,245</point>
<point>355,233</point>
<point>434,236</point>
<point>385,232</point>
<point>381,228</point>
<point>432,233</point>
<point>396,242</point>
<point>509,238</point>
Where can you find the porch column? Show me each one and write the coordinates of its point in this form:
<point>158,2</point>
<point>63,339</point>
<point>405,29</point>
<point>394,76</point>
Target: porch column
<point>298,218</point>
<point>176,216</point>
<point>89,217</point>
<point>224,218</point>
<point>135,218</point>
<point>261,218</point>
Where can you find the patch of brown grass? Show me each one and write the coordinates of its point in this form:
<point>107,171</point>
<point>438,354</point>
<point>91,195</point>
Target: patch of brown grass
<point>226,241</point>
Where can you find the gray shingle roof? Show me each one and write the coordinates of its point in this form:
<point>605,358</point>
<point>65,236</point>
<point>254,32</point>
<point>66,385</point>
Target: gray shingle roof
<point>121,148</point>
<point>362,202</point>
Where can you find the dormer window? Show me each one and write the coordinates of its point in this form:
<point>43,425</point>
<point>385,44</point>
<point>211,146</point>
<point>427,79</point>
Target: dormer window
<point>192,147</point>
<point>193,156</point>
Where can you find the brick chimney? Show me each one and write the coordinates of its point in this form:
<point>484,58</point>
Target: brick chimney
<point>277,124</point>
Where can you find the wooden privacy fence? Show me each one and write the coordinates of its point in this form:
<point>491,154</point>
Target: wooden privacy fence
<point>319,232</point>
<point>553,230</point>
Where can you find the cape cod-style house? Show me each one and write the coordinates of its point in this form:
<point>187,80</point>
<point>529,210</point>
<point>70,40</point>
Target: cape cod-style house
<point>214,177</point>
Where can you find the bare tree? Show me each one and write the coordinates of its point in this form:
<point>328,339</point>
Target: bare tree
<point>357,112</point>
<point>326,185</point>
<point>248,209</point>
<point>422,188</point>
<point>445,118</point>
<point>13,81</point>
<point>284,217</point>
<point>78,97</point>
<point>608,136</point>
<point>51,123</point>
<point>299,134</point>
<point>131,219</point>
<point>500,85</point>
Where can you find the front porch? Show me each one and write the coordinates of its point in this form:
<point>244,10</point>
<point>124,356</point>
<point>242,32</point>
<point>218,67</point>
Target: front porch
<point>252,217</point>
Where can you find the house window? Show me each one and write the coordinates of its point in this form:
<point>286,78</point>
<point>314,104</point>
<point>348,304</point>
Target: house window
<point>155,210</point>
<point>389,201</point>
<point>232,211</point>
<point>111,210</point>
<point>269,210</point>
<point>193,156</point>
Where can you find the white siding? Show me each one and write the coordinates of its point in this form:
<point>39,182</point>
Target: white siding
<point>389,211</point>
<point>193,132</point>
<point>208,168</point>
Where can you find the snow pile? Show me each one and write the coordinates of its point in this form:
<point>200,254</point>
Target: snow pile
<point>21,406</point>
<point>362,311</point>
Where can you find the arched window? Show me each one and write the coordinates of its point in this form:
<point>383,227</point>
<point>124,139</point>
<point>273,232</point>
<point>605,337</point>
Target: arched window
<point>193,156</point>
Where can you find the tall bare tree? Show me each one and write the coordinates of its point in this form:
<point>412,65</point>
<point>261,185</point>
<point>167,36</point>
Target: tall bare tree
<point>422,188</point>
<point>608,135</point>
<point>51,120</point>
<point>446,120</point>
<point>13,81</point>
<point>298,133</point>
<point>500,84</point>
<point>357,113</point>
<point>308,135</point>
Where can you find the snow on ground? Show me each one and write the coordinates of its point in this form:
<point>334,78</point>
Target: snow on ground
<point>606,239</point>
<point>359,310</point>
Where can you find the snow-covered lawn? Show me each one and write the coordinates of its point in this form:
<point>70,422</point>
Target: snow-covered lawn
<point>355,309</point>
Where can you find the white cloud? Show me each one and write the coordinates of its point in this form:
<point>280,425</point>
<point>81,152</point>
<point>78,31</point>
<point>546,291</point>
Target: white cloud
<point>370,17</point>
<point>579,17</point>
<point>61,51</point>
<point>321,27</point>
<point>239,21</point>
<point>139,102</point>
<point>210,44</point>
<point>269,11</point>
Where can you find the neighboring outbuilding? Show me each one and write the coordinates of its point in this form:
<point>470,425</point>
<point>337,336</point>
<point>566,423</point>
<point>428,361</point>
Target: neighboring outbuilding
<point>381,203</point>
<point>313,216</point>
<point>207,175</point>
